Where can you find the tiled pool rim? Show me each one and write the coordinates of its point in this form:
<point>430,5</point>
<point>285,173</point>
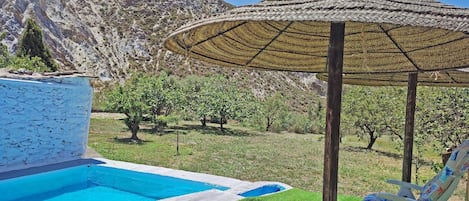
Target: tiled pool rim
<point>235,186</point>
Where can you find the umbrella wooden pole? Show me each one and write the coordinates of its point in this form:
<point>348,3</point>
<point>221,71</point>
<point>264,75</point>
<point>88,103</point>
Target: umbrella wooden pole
<point>409,127</point>
<point>334,99</point>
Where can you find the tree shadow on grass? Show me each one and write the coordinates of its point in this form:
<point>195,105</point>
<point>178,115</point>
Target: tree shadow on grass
<point>210,130</point>
<point>130,141</point>
<point>159,131</point>
<point>363,150</point>
<point>382,153</point>
<point>184,130</point>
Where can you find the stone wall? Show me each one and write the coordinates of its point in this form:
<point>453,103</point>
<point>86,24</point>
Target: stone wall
<point>43,121</point>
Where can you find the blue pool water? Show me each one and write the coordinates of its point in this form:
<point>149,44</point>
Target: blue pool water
<point>94,193</point>
<point>96,183</point>
<point>267,189</point>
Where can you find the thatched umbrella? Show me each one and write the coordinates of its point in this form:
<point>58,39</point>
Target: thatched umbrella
<point>450,78</point>
<point>309,35</point>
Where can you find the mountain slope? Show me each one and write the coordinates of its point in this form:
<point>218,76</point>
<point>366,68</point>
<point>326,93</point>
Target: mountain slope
<point>103,36</point>
<point>111,38</point>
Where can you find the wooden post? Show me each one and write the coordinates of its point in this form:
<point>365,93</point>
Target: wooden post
<point>334,98</point>
<point>409,127</point>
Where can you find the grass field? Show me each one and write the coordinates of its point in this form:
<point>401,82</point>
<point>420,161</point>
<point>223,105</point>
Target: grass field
<point>299,195</point>
<point>244,154</point>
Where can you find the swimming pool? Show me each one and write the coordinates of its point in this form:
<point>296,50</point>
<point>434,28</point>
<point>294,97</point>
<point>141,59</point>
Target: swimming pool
<point>93,182</point>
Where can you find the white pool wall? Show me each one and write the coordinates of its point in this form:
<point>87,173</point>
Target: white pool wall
<point>43,121</point>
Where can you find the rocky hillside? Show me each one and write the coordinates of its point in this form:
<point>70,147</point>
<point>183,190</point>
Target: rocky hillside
<point>110,38</point>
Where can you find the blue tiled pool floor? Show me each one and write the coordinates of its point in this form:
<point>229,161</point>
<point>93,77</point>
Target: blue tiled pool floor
<point>97,193</point>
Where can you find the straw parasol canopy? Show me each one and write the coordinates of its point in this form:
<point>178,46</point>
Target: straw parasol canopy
<point>451,78</point>
<point>334,36</point>
<point>380,36</point>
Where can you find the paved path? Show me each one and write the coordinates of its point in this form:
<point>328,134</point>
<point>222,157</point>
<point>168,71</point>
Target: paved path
<point>91,153</point>
<point>107,115</point>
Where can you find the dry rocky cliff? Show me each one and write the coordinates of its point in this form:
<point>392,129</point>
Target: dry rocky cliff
<point>111,38</point>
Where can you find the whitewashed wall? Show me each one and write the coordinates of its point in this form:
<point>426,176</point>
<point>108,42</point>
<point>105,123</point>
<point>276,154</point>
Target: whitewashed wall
<point>43,121</point>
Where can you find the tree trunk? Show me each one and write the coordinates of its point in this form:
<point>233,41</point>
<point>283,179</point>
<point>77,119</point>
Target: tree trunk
<point>221,123</point>
<point>372,141</point>
<point>134,133</point>
<point>371,133</point>
<point>134,129</point>
<point>269,123</point>
<point>132,124</point>
<point>203,120</point>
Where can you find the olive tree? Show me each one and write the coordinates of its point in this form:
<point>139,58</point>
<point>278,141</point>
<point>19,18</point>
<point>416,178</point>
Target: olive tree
<point>443,115</point>
<point>193,101</point>
<point>145,96</point>
<point>274,108</point>
<point>216,97</point>
<point>131,99</point>
<point>223,99</point>
<point>164,97</point>
<point>374,112</point>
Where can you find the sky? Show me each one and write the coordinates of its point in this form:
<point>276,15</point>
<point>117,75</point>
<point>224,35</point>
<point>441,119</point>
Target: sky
<point>458,3</point>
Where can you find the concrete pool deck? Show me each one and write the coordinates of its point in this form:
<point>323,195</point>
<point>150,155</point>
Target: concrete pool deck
<point>235,186</point>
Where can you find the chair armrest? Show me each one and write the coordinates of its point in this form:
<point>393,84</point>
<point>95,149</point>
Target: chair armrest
<point>392,197</point>
<point>405,184</point>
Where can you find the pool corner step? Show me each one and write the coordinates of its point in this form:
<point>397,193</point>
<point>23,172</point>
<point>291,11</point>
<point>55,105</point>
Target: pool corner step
<point>209,195</point>
<point>240,189</point>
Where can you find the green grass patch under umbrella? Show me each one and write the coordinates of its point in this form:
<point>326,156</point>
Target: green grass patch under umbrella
<point>296,194</point>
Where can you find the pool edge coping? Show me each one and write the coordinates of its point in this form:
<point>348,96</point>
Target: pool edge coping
<point>236,186</point>
<point>194,176</point>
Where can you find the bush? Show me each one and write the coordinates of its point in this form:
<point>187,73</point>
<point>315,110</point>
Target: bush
<point>256,121</point>
<point>291,122</point>
<point>282,124</point>
<point>33,64</point>
<point>300,124</point>
<point>162,121</point>
<point>98,104</point>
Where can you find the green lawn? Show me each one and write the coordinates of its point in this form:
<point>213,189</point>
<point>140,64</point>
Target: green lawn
<point>299,195</point>
<point>240,153</point>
